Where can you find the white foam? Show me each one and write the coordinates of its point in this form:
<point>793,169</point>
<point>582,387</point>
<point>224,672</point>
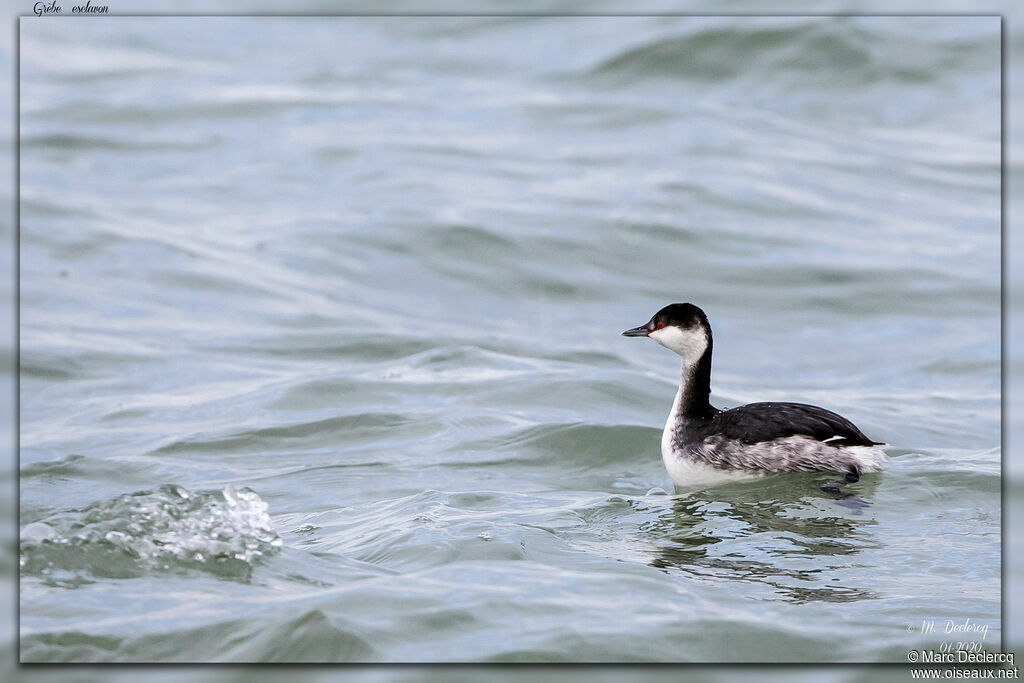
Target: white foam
<point>134,533</point>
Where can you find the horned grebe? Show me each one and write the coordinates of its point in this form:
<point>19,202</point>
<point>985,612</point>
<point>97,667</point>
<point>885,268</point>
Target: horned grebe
<point>702,444</point>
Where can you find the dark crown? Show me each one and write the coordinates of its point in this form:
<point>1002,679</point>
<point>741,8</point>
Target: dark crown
<point>686,316</point>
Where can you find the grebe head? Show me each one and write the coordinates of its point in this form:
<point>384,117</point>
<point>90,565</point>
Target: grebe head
<point>682,328</point>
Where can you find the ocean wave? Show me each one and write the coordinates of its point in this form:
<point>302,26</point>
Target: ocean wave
<point>226,532</point>
<point>831,53</point>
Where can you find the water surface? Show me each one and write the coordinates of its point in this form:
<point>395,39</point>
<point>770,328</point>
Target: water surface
<point>320,353</point>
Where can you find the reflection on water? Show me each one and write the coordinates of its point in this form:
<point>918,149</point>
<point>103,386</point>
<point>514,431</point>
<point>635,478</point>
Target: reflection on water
<point>789,543</point>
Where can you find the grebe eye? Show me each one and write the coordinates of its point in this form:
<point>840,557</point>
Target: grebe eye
<point>659,325</point>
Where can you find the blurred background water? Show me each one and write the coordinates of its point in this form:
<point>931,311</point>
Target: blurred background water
<point>319,334</point>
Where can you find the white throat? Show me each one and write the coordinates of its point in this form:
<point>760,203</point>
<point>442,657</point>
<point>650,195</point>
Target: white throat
<point>690,343</point>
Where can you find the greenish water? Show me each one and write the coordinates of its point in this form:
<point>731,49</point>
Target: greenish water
<point>320,353</point>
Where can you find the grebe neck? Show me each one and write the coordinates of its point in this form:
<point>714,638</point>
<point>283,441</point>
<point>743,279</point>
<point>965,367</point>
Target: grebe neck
<point>693,400</point>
